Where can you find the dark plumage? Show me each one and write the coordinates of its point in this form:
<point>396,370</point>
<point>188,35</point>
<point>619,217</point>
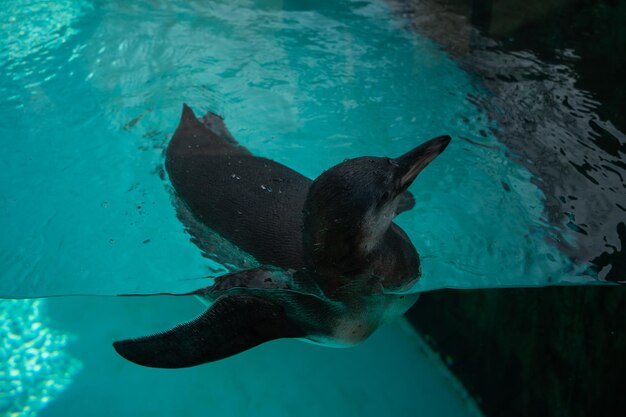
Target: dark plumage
<point>334,266</point>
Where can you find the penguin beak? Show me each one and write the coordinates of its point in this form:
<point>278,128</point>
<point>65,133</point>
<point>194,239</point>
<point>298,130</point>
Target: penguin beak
<point>413,162</point>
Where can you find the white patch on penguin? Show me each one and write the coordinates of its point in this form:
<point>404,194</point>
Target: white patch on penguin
<point>376,222</point>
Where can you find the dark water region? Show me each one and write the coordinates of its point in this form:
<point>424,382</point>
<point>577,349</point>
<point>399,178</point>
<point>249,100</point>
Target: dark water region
<point>555,351</point>
<point>555,71</point>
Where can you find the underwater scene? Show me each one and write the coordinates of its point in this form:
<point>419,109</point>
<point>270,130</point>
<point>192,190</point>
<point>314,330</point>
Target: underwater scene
<point>487,132</point>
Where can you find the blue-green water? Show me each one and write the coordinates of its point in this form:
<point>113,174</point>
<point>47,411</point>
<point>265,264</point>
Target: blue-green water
<point>92,92</point>
<point>93,96</point>
<point>56,360</point>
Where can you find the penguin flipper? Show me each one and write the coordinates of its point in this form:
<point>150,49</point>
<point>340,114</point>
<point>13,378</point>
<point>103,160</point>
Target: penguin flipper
<point>406,203</point>
<point>233,324</point>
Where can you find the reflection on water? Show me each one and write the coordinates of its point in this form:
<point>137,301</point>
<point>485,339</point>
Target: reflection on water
<point>34,366</point>
<point>560,131</point>
<point>553,127</point>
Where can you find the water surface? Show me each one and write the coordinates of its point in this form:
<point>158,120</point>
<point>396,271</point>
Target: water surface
<point>93,99</point>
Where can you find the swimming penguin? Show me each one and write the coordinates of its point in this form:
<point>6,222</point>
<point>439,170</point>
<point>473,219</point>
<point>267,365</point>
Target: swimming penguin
<point>334,266</point>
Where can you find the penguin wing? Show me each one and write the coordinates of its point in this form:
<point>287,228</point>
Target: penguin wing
<point>406,203</point>
<point>233,324</point>
<point>266,279</point>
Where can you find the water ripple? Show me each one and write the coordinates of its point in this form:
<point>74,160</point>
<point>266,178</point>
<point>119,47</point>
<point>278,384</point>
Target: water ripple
<point>34,365</point>
<point>552,127</point>
<point>305,86</point>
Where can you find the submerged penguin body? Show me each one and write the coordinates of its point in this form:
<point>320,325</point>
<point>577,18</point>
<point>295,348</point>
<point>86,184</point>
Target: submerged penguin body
<point>334,266</point>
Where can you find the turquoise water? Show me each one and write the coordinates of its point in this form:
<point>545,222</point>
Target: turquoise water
<point>62,364</point>
<point>94,93</point>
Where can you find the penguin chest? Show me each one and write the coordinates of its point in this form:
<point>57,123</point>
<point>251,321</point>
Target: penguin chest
<point>349,331</point>
<point>354,328</point>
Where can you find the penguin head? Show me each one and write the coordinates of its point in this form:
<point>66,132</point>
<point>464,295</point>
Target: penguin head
<point>349,207</point>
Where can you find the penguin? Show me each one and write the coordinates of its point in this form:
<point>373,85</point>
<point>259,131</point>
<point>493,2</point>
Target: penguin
<point>331,266</point>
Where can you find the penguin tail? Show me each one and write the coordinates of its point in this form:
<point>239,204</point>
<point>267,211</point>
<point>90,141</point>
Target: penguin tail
<point>211,121</point>
<point>233,324</point>
<point>208,135</point>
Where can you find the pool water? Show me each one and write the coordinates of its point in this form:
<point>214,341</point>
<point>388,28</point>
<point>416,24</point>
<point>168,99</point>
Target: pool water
<point>92,93</point>
<point>93,100</point>
<point>76,371</point>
